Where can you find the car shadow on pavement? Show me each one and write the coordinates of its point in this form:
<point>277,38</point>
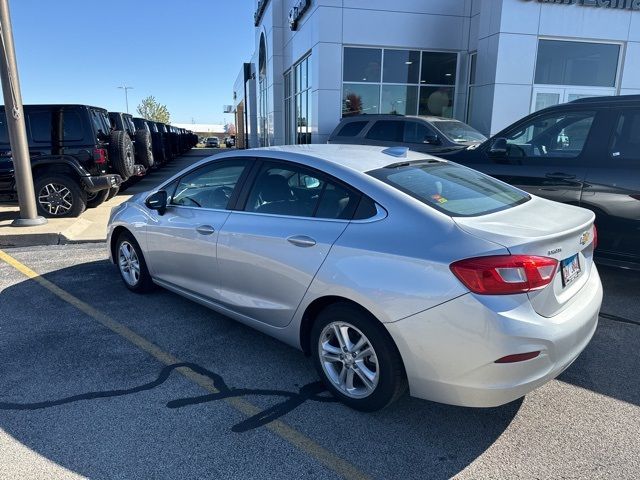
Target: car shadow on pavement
<point>611,362</point>
<point>84,398</point>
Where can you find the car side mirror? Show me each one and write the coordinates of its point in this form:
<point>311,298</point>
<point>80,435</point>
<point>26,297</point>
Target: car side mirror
<point>498,146</point>
<point>157,201</point>
<point>432,139</point>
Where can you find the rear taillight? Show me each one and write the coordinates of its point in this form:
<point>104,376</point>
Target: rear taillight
<point>100,155</point>
<point>505,274</point>
<point>595,237</point>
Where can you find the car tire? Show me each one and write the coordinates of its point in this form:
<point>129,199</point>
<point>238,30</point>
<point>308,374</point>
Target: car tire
<point>335,365</point>
<point>113,191</point>
<point>59,196</point>
<point>121,153</point>
<point>144,150</point>
<point>97,198</point>
<point>131,264</point>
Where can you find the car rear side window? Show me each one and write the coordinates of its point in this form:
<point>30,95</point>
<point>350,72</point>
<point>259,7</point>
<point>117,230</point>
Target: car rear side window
<point>72,126</point>
<point>454,190</point>
<point>4,133</point>
<point>40,126</point>
<point>387,131</point>
<point>351,129</point>
<point>625,144</point>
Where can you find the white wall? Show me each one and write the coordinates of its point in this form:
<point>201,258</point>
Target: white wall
<point>503,32</point>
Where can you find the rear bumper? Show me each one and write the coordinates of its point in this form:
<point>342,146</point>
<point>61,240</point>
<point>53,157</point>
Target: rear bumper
<point>449,351</point>
<point>96,183</point>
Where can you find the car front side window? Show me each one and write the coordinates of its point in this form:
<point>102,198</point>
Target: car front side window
<point>562,134</point>
<point>210,186</point>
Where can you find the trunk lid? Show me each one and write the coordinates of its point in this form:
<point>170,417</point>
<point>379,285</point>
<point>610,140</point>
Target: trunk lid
<point>549,229</point>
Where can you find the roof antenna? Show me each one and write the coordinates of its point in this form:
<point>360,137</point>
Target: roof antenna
<point>399,152</point>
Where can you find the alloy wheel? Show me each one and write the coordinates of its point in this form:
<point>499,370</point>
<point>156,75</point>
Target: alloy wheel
<point>129,263</point>
<point>348,359</point>
<point>55,198</point>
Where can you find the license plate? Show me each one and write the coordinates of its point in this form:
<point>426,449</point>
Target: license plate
<point>570,269</point>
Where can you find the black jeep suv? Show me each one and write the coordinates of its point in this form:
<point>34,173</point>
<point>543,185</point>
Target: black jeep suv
<point>71,158</point>
<point>157,143</point>
<point>138,139</point>
<point>587,153</point>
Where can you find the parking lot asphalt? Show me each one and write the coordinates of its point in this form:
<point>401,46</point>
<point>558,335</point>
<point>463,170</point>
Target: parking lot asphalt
<point>98,382</point>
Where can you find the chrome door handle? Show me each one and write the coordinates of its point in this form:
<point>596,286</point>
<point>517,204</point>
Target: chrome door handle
<point>205,229</point>
<point>301,241</point>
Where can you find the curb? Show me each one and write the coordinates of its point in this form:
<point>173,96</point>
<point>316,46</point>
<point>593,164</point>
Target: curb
<point>42,239</point>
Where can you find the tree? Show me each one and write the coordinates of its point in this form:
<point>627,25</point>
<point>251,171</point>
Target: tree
<point>150,109</point>
<point>230,129</point>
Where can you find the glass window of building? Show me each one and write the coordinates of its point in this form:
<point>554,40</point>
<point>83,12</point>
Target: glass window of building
<point>298,103</point>
<point>401,66</point>
<point>362,64</point>
<point>288,109</point>
<point>406,82</point>
<point>360,98</point>
<point>577,63</point>
<point>399,99</point>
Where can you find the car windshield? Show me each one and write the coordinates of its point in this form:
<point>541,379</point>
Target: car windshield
<point>452,189</point>
<point>459,132</point>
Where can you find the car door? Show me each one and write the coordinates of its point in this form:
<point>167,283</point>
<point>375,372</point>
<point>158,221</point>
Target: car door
<point>546,154</point>
<point>181,243</point>
<point>269,252</point>
<point>612,186</point>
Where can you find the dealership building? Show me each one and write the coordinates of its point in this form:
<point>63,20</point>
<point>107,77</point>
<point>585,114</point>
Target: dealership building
<point>485,62</point>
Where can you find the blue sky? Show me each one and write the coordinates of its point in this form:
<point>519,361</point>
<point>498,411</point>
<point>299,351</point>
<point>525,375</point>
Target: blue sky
<point>186,53</point>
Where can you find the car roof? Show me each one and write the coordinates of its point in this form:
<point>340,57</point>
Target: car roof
<point>393,116</point>
<point>361,158</point>
<point>607,100</point>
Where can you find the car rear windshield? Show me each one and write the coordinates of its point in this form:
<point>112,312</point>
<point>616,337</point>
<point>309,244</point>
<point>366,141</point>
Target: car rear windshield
<point>452,189</point>
<point>459,132</point>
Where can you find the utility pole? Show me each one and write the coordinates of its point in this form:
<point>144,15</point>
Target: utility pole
<point>15,124</point>
<point>126,95</point>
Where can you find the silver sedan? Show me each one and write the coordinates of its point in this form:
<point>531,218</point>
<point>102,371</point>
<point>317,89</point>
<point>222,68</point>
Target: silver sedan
<point>390,268</point>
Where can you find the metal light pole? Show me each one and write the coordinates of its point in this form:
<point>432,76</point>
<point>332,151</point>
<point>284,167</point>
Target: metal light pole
<point>15,124</point>
<point>126,95</point>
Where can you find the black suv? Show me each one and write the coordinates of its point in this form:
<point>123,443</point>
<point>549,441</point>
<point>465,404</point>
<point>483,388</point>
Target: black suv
<point>157,142</point>
<point>139,141</point>
<point>434,135</point>
<point>587,153</point>
<point>70,158</point>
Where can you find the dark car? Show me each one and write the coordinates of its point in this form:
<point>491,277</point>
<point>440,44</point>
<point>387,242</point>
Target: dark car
<point>586,153</point>
<point>71,158</point>
<point>140,140</point>
<point>432,135</point>
<point>157,140</point>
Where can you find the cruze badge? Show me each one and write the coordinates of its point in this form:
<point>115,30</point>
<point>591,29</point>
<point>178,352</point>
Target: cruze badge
<point>585,237</point>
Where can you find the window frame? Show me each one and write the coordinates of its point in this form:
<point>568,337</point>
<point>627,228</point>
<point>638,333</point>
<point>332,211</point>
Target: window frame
<point>621,55</point>
<point>380,84</point>
<point>250,181</point>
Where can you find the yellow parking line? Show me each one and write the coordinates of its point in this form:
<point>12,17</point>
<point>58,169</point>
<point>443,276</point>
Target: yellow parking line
<point>291,435</point>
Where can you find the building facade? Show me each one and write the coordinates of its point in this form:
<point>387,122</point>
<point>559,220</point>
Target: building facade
<point>485,62</point>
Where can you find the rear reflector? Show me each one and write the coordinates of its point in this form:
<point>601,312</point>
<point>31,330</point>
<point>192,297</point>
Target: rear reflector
<point>505,274</point>
<point>518,357</point>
